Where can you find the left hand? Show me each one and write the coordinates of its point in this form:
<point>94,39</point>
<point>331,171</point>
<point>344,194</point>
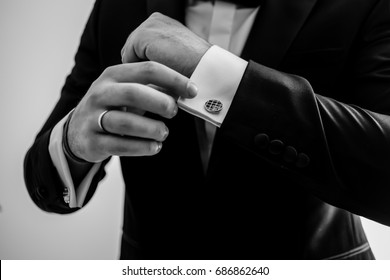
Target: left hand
<point>166,41</point>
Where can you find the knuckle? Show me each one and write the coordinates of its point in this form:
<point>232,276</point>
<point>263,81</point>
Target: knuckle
<point>149,67</point>
<point>165,107</point>
<point>94,98</point>
<point>156,15</point>
<point>109,71</point>
<point>177,80</point>
<point>180,84</point>
<point>133,93</point>
<point>124,126</point>
<point>121,125</point>
<point>100,91</point>
<point>169,107</point>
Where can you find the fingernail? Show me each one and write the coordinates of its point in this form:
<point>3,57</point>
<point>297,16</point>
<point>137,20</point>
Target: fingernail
<point>192,89</point>
<point>174,111</point>
<point>165,133</point>
<point>158,147</point>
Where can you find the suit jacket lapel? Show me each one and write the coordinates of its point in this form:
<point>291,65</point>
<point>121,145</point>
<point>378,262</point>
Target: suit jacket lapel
<point>172,8</point>
<point>274,29</point>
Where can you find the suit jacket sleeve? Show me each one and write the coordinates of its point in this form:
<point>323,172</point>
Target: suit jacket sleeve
<point>342,150</point>
<point>41,178</point>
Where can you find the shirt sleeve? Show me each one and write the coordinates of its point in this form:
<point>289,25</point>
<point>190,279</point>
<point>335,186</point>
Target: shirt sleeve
<point>74,198</point>
<point>217,77</point>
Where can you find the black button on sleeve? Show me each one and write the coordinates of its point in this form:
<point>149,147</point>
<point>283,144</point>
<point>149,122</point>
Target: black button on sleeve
<point>40,192</point>
<point>303,160</point>
<point>290,154</point>
<point>276,147</point>
<point>261,140</point>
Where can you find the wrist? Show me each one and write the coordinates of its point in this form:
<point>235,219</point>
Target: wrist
<point>201,51</point>
<point>70,156</point>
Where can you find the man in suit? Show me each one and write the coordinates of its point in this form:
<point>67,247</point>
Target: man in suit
<point>298,149</point>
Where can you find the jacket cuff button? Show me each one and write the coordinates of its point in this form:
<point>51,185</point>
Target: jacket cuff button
<point>290,154</point>
<point>303,160</point>
<point>41,192</point>
<point>261,140</point>
<point>276,147</point>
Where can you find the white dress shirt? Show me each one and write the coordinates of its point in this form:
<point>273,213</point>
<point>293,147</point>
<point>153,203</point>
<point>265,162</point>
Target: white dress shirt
<point>217,76</point>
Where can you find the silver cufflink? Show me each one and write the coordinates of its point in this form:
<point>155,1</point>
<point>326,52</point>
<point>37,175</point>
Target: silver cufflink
<point>213,106</point>
<point>66,196</point>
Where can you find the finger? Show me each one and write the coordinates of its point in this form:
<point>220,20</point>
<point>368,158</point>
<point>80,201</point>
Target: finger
<point>150,72</point>
<point>164,90</point>
<point>128,53</point>
<point>126,146</point>
<point>140,96</point>
<point>142,112</point>
<point>129,124</point>
<point>161,89</point>
<point>131,109</point>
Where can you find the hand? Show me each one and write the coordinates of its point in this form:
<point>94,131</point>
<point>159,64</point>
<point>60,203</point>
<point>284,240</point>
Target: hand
<point>137,87</point>
<point>166,41</point>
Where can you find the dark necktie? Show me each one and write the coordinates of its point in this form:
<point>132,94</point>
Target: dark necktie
<point>246,3</point>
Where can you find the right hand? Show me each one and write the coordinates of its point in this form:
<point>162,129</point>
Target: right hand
<point>137,87</point>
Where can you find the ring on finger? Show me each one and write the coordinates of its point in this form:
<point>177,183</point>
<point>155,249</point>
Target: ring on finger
<point>100,121</point>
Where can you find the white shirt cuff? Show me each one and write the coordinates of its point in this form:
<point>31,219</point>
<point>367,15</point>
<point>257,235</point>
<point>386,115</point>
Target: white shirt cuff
<point>217,76</point>
<point>73,198</point>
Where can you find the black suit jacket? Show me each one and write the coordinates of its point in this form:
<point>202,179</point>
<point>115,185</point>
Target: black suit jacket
<point>309,127</point>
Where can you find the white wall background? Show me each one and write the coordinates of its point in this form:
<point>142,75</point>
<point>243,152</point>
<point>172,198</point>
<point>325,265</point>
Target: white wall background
<point>38,40</point>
